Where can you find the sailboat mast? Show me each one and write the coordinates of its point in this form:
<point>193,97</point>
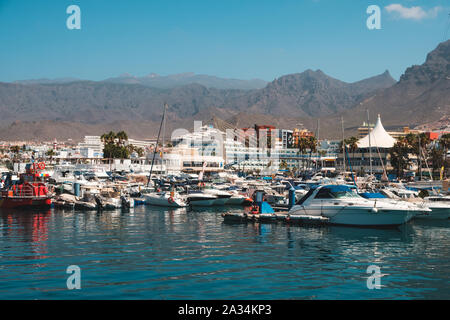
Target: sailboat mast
<point>370,144</point>
<point>343,142</point>
<point>317,151</point>
<point>420,158</point>
<point>156,146</point>
<point>164,134</point>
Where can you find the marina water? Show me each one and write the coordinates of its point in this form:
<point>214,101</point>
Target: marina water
<point>152,253</point>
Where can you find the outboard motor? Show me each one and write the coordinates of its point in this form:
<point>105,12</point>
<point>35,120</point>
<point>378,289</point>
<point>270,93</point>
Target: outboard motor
<point>99,202</point>
<point>125,203</point>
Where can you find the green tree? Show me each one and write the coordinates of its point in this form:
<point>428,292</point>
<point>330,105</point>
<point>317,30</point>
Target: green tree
<point>50,153</point>
<point>352,144</point>
<point>108,138</point>
<point>302,145</point>
<point>312,146</point>
<point>437,158</point>
<point>115,145</point>
<point>399,155</point>
<point>15,149</point>
<point>122,136</point>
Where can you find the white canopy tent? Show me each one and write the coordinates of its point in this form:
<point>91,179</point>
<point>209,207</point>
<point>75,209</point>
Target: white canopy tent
<point>378,138</point>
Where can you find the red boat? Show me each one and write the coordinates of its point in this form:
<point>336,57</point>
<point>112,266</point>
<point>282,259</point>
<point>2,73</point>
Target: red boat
<point>30,191</point>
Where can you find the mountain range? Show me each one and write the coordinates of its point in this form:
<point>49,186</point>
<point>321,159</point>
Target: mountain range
<point>165,82</point>
<point>73,108</point>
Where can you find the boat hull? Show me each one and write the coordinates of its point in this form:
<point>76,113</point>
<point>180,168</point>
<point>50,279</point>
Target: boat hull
<point>435,214</point>
<point>220,201</point>
<point>360,216</point>
<point>25,202</point>
<point>202,203</point>
<point>163,202</point>
<point>235,201</point>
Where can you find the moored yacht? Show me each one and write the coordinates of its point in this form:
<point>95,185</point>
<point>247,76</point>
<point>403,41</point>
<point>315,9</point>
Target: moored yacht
<point>202,199</point>
<point>440,208</point>
<point>165,199</point>
<point>344,206</point>
<point>222,197</point>
<point>439,205</point>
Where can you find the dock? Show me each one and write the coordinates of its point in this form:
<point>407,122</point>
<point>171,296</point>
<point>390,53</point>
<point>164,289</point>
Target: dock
<point>281,216</point>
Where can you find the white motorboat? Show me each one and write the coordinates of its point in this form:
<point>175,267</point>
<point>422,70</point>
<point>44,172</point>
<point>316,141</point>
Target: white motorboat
<point>236,199</point>
<point>344,206</point>
<point>165,199</point>
<point>222,197</point>
<point>440,208</point>
<point>439,205</point>
<point>201,199</point>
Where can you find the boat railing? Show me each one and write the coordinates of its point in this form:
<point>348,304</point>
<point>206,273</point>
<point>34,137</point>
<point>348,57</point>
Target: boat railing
<point>27,191</point>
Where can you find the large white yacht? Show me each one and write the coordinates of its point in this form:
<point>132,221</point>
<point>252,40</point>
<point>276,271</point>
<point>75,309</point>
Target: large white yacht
<point>344,206</point>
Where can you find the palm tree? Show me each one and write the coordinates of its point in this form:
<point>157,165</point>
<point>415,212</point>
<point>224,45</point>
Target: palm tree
<point>302,145</point>
<point>15,149</point>
<point>352,143</point>
<point>50,153</point>
<point>122,136</point>
<point>109,137</point>
<point>399,156</point>
<point>444,141</point>
<point>312,146</point>
<point>437,158</point>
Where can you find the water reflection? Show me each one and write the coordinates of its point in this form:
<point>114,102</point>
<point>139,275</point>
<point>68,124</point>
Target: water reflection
<point>180,253</point>
<point>29,228</point>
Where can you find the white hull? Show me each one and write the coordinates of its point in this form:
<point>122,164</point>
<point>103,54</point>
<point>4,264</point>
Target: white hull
<point>359,216</point>
<point>203,203</point>
<point>435,214</point>
<point>163,201</point>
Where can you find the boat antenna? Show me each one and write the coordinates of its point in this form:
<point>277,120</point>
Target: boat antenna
<point>156,146</point>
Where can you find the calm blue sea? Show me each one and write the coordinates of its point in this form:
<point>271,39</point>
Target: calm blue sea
<point>152,253</point>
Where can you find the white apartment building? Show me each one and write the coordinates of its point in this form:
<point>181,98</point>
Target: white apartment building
<point>92,147</point>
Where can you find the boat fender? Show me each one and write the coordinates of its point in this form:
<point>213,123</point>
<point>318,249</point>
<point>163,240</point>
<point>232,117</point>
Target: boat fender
<point>171,200</point>
<point>374,209</point>
<point>288,218</point>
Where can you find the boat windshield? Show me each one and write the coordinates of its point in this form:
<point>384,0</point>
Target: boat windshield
<point>336,193</point>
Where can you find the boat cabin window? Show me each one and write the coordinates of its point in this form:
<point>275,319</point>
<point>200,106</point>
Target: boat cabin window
<point>439,199</point>
<point>326,193</point>
<point>306,196</point>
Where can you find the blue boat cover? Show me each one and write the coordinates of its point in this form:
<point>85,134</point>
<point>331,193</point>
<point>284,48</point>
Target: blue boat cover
<point>266,208</point>
<point>372,195</point>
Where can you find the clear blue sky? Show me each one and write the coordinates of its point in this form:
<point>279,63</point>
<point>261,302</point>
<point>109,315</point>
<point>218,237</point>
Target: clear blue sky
<point>228,38</point>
